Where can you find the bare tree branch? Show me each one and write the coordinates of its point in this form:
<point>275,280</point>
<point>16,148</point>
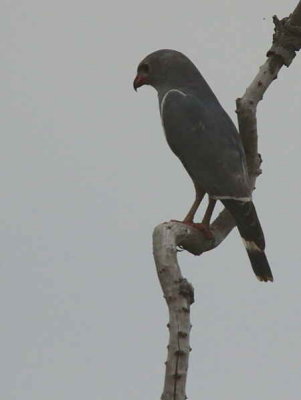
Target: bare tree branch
<point>177,291</point>
<point>178,294</point>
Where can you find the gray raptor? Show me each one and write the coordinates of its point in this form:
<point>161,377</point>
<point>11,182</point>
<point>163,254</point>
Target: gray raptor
<point>204,138</point>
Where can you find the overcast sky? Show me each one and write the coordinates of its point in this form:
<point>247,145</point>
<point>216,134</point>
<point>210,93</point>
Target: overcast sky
<point>85,177</point>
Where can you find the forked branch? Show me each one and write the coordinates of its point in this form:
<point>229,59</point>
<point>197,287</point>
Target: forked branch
<point>167,237</point>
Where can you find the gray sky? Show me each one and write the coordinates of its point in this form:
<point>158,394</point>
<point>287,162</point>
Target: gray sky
<point>85,177</point>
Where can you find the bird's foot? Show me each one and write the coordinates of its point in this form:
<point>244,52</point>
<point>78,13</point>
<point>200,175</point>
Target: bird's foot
<point>200,226</point>
<point>204,229</point>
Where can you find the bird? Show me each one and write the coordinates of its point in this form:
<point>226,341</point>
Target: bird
<point>202,135</point>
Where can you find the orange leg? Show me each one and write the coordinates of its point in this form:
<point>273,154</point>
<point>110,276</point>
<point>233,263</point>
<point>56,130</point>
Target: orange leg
<point>209,211</point>
<point>204,225</point>
<point>199,195</point>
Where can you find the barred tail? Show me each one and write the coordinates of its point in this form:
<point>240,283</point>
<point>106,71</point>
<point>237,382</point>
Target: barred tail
<point>250,230</point>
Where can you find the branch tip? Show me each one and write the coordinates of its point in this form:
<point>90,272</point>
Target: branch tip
<point>286,40</point>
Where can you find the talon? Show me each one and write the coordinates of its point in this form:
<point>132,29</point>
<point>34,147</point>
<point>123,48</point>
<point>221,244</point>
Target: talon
<point>200,226</point>
<point>203,228</point>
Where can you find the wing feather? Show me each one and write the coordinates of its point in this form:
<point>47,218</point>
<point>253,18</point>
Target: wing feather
<point>207,142</point>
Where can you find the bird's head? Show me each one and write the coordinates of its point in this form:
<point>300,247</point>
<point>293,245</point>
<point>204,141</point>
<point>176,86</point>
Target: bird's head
<point>165,69</point>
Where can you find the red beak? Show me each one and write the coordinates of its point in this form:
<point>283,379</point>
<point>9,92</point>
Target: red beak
<point>140,80</point>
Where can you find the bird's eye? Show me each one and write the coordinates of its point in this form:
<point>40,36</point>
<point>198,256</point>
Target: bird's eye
<point>144,68</point>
